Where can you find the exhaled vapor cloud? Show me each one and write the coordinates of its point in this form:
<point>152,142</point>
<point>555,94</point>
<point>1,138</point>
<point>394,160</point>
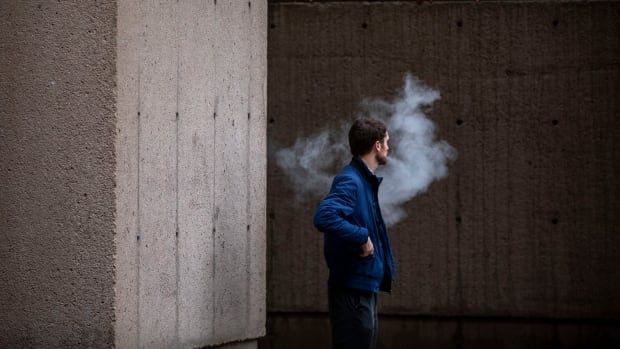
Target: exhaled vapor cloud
<point>415,160</point>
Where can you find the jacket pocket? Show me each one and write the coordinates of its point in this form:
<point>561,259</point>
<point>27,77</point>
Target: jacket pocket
<point>366,266</point>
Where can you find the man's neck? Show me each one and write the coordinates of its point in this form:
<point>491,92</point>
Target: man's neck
<point>371,162</point>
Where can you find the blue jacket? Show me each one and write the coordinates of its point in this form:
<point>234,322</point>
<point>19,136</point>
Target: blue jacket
<point>347,216</point>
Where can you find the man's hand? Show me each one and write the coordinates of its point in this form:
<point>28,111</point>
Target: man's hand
<point>368,248</point>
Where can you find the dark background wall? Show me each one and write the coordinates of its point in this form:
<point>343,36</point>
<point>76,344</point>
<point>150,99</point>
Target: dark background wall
<point>519,246</point>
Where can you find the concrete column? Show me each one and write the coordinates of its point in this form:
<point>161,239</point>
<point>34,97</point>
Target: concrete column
<point>57,173</point>
<point>133,152</point>
<point>191,154</point>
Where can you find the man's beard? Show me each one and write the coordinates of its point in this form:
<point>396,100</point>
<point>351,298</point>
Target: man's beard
<point>381,160</point>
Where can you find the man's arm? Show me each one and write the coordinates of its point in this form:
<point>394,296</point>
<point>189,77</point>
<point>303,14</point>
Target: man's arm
<point>338,204</point>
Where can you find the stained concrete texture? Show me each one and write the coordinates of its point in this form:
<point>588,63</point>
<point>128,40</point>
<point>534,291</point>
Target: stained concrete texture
<point>525,224</point>
<point>192,173</point>
<point>133,173</point>
<point>312,331</point>
<point>57,173</point>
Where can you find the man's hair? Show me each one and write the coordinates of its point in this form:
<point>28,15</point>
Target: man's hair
<point>364,133</point>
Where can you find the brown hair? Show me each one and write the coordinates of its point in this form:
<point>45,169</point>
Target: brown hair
<point>364,133</point>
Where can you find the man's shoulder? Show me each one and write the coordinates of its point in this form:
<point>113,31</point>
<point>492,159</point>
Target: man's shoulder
<point>347,179</point>
<point>348,173</point>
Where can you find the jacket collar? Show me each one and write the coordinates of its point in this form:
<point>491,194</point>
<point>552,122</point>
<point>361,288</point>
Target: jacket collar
<point>361,167</point>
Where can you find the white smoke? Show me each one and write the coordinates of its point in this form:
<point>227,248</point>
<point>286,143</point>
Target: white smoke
<point>415,160</point>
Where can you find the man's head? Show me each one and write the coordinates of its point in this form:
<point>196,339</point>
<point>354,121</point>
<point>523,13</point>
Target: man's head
<point>368,135</point>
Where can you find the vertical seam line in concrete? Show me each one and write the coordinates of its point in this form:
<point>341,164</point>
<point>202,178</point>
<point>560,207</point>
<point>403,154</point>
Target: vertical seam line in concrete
<point>176,218</point>
<point>213,198</point>
<point>483,238</point>
<point>459,272</point>
<point>509,201</point>
<point>138,321</point>
<point>213,222</point>
<point>248,173</point>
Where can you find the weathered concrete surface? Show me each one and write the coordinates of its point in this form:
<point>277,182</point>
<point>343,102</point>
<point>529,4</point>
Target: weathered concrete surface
<point>192,173</point>
<point>312,331</point>
<point>133,216</point>
<point>57,173</point>
<point>525,224</point>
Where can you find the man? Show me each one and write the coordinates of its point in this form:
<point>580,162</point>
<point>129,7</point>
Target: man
<point>356,246</point>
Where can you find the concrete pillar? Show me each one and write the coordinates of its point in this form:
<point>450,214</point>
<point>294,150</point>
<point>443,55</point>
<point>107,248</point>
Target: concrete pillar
<point>133,159</point>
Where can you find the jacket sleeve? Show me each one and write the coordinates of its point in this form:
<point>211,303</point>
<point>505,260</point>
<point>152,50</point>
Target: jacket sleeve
<point>330,215</point>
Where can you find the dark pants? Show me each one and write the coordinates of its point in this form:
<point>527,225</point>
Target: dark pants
<point>353,318</point>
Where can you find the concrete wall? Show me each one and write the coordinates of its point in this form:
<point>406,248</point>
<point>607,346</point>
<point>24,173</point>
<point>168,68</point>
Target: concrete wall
<point>57,173</point>
<point>525,225</point>
<point>133,171</point>
<point>191,175</point>
<point>308,331</point>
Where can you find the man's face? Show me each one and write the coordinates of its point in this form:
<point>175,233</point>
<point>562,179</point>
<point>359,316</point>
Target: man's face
<point>382,151</point>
